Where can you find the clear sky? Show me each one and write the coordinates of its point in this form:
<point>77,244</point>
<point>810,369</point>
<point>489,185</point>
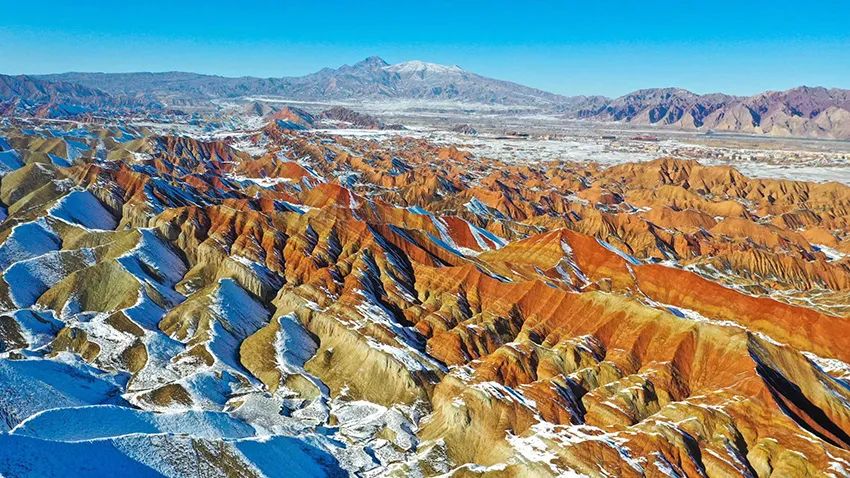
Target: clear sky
<point>589,47</point>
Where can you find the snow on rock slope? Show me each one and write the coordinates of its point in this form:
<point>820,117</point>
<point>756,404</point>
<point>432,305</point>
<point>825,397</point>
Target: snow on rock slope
<point>82,208</point>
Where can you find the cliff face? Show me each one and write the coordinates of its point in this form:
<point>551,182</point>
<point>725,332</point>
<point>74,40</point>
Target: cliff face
<point>402,308</point>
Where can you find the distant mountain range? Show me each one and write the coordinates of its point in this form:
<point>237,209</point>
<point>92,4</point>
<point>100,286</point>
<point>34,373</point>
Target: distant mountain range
<point>370,79</point>
<point>57,98</point>
<point>803,111</point>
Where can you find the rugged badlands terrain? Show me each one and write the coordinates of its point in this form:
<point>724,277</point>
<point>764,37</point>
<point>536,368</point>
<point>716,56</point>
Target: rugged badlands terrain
<point>292,303</point>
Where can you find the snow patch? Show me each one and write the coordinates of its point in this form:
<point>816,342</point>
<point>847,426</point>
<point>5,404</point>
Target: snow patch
<point>82,208</point>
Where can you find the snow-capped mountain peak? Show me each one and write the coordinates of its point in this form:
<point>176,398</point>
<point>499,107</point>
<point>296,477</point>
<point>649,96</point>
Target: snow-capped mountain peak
<point>418,66</point>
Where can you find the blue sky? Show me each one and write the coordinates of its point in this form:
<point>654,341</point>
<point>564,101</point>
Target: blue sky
<point>566,47</point>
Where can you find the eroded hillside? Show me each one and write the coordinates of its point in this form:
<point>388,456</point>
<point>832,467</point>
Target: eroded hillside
<point>291,303</point>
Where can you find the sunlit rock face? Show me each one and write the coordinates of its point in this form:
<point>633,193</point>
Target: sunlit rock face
<point>283,302</point>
